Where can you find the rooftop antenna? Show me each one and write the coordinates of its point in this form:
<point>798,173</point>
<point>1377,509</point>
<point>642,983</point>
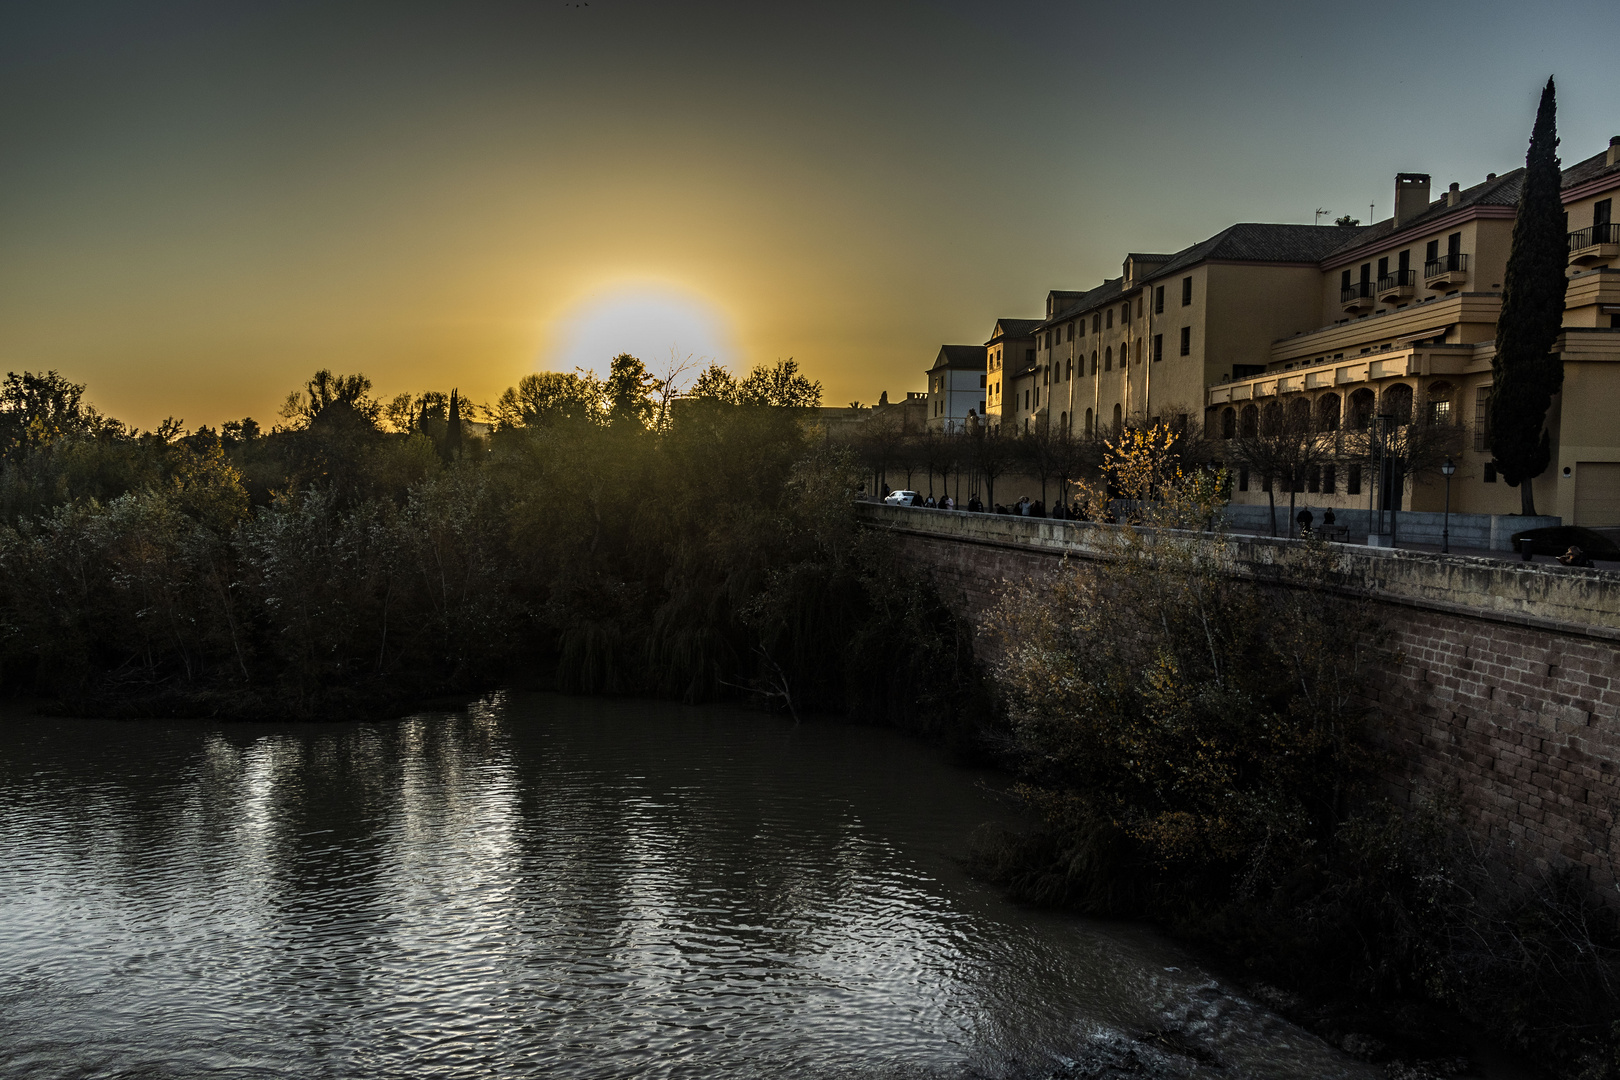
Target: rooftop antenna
<point>1370,213</point>
<point>1320,214</point>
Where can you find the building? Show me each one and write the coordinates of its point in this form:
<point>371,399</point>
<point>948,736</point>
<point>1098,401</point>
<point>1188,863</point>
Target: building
<point>956,387</point>
<point>1340,324</point>
<point>1010,361</point>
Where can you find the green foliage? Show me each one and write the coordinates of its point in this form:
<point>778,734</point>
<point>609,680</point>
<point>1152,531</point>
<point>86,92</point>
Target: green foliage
<point>332,567</point>
<point>1526,373</point>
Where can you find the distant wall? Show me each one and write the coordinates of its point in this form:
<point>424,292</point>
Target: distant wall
<point>1508,697</point>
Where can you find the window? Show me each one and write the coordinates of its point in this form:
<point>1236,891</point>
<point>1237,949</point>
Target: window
<point>1453,246</point>
<point>1482,419</point>
<point>1186,292</point>
<point>1088,421</point>
<point>1344,281</point>
<point>1110,314</point>
<point>1186,341</point>
<point>1124,353</point>
<point>981,381</point>
<point>1138,307</point>
<point>1366,273</point>
<point>1313,479</point>
<point>1158,300</point>
<point>1329,472</point>
<point>1094,361</point>
<point>1096,324</point>
<point>1071,331</point>
<point>1352,483</point>
<point>1124,313</point>
<point>1047,337</point>
<point>1068,370</point>
<point>1026,400</point>
<point>1037,397</point>
<point>1108,358</point>
<point>1265,482</point>
<point>1601,212</point>
<point>1439,413</point>
<point>1431,252</point>
<point>1383,268</point>
<point>1405,261</point>
<point>1229,424</point>
<point>1158,347</point>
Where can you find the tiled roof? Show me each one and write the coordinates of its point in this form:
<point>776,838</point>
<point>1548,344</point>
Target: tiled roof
<point>1015,327</point>
<point>1102,294</point>
<point>1590,169</point>
<point>960,356</point>
<point>1255,241</point>
<point>1502,191</point>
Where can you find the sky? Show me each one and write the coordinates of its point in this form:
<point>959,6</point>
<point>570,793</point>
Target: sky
<point>204,201</point>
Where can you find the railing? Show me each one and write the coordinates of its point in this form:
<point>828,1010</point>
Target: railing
<point>1396,280</point>
<point>1607,232</point>
<point>1445,264</point>
<point>1355,292</point>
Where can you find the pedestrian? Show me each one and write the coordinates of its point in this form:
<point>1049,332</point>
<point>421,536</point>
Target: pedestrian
<point>1305,518</point>
<point>930,503</point>
<point>1037,509</point>
<point>1575,557</point>
<point>947,503</point>
<point>1327,522</point>
<point>1023,506</point>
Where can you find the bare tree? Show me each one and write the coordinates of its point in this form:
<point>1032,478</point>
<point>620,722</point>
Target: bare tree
<point>1282,445</point>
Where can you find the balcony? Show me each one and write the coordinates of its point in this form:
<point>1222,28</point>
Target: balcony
<point>1358,297</point>
<point>1600,243</point>
<point>1446,271</point>
<point>1393,288</point>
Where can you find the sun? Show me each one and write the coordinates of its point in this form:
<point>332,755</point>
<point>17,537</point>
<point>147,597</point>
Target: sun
<point>652,321</point>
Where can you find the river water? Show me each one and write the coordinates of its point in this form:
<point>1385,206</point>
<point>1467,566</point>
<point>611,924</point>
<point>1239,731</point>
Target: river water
<point>556,886</point>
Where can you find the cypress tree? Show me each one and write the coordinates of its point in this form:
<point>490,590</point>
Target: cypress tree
<point>1526,372</point>
<point>452,435</point>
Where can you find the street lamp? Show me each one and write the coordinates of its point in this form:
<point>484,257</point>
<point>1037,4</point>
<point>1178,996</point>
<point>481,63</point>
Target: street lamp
<point>1445,529</point>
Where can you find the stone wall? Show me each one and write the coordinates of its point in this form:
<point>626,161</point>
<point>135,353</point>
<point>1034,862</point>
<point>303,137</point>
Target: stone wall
<point>1508,698</point>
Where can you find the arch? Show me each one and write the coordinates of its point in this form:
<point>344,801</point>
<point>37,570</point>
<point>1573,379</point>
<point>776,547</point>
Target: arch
<point>1124,313</point>
<point>1327,412</point>
<point>1229,423</point>
<point>1124,354</point>
<point>1250,426</point>
<point>1271,415</point>
<point>1361,409</point>
<point>1398,403</point>
<point>1108,358</point>
<point>1094,361</point>
<point>1063,422</point>
<point>1088,415</point>
<point>1068,369</point>
<point>1298,412</point>
<point>1438,408</point>
<point>1119,419</point>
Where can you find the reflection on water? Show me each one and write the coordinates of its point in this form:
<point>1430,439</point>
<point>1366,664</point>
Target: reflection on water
<point>548,885</point>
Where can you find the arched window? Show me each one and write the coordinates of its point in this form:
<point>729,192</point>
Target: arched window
<point>1229,424</point>
<point>1063,422</point>
<point>1439,410</point>
<point>1398,403</point>
<point>1250,425</point>
<point>1108,358</point>
<point>1094,361</point>
<point>1119,419</point>
<point>1124,313</point>
<point>1327,413</point>
<point>1124,353</point>
<point>1068,370</point>
<point>1299,414</point>
<point>1088,420</point>
<point>1271,418</point>
<point>1361,410</point>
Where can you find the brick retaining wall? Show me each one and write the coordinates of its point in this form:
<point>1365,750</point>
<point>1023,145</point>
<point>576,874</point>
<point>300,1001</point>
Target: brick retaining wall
<point>1509,696</point>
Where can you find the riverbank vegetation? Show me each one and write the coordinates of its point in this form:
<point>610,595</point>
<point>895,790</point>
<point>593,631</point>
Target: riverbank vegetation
<point>1201,750</point>
<point>365,553</point>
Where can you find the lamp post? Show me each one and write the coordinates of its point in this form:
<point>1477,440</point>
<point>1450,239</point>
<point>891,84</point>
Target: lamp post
<point>1445,529</point>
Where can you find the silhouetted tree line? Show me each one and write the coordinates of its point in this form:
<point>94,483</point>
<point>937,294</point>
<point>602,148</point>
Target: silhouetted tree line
<point>610,533</point>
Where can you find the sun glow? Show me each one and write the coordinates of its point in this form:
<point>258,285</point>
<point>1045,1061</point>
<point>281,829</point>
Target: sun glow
<point>652,321</point>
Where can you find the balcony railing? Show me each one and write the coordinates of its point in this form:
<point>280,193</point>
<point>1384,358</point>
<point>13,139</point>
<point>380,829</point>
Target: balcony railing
<point>1606,233</point>
<point>1357,292</point>
<point>1399,279</point>
<point>1600,241</point>
<point>1449,263</point>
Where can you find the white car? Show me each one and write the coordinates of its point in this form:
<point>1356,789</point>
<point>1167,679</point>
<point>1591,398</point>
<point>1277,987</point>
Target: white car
<point>900,498</point>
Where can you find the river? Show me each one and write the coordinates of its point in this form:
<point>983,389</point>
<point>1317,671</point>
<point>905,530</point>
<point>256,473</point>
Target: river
<point>544,885</point>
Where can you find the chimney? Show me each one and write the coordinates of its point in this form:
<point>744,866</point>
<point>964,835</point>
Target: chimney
<point>1490,177</point>
<point>1454,196</point>
<point>1613,156</point>
<point>1411,196</point>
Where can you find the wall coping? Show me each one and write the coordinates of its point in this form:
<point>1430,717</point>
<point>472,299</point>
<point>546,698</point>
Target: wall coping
<point>1568,600</point>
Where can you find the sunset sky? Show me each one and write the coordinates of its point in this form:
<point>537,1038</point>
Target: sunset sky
<point>201,203</point>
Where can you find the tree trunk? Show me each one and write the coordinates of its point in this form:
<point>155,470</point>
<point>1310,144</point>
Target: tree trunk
<point>1527,498</point>
<point>1271,496</point>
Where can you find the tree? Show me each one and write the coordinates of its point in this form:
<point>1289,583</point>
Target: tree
<point>1284,446</point>
<point>549,397</point>
<point>629,389</point>
<point>715,384</point>
<point>333,401</point>
<point>1526,372</point>
<point>780,385</point>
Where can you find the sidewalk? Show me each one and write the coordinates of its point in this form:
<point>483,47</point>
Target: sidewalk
<point>1480,553</point>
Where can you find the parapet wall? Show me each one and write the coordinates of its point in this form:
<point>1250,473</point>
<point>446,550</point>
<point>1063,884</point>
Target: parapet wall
<point>1508,698</point>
